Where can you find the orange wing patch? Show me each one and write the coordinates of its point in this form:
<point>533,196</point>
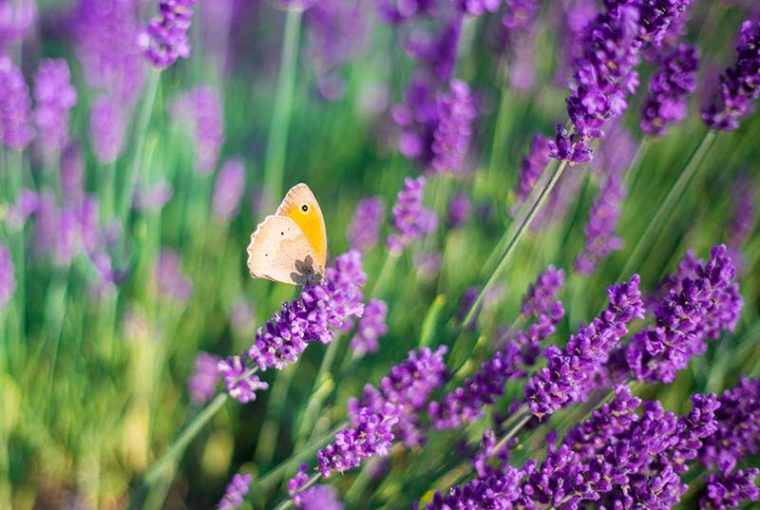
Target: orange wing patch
<point>301,206</point>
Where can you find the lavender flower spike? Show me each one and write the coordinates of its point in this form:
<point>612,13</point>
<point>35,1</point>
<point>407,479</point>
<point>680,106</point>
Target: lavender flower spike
<point>542,295</point>
<point>457,111</point>
<point>410,219</point>
<point>15,128</point>
<point>54,96</point>
<point>569,373</point>
<point>241,386</point>
<point>668,90</point>
<point>371,327</point>
<point>700,303</point>
<point>739,85</point>
<point>531,169</point>
<point>364,231</point>
<point>165,38</point>
<point>228,189</point>
<point>601,239</point>
<point>7,277</point>
<point>235,492</point>
<point>201,109</point>
<point>202,383</point>
<point>730,490</point>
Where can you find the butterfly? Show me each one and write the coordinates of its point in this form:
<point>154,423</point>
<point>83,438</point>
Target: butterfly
<point>290,246</point>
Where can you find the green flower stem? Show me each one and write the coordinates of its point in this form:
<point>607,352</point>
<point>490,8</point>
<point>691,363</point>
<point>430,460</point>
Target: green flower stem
<point>289,502</point>
<point>274,161</point>
<point>270,429</point>
<point>665,210</point>
<point>514,240</point>
<point>631,177</point>
<point>16,341</point>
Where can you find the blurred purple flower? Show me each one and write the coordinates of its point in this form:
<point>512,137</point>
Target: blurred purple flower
<point>669,88</point>
<point>364,231</point>
<point>7,277</point>
<point>72,174</point>
<point>601,238</point>
<point>411,221</point>
<point>531,169</point>
<point>371,327</point>
<point>460,210</point>
<point>26,204</point>
<point>660,18</point>
<point>457,111</point>
<point>697,307</point>
<point>107,129</point>
<point>201,108</point>
<point>569,373</point>
<point>229,189</point>
<point>242,317</point>
<point>170,280</point>
<point>739,85</point>
<point>15,106</point>
<point>436,53</point>
<point>235,492</point>
<point>730,490</point>
<point>571,18</point>
<point>500,490</point>
<point>202,382</point>
<point>152,197</point>
<point>541,296</point>
<point>54,96</point>
<point>397,11</point>
<point>16,18</point>
<point>320,497</point>
<point>241,385</point>
<point>165,39</point>
<point>744,216</point>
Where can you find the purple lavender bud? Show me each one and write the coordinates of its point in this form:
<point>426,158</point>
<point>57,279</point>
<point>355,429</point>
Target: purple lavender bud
<point>242,317</point>
<point>437,54</point>
<point>201,109</point>
<point>72,175</point>
<point>152,197</point>
<point>397,11</point>
<point>738,427</point>
<point>296,483</point>
<point>371,435</point>
<point>107,129</point>
<point>457,111</point>
<point>571,21</point>
<point>669,88</point>
<point>730,490</point>
<point>202,382</point>
<point>601,239</point>
<point>541,297</point>
<point>27,204</point>
<point>16,18</point>
<point>659,18</point>
<point>411,220</point>
<point>406,386</point>
<point>460,210</point>
<point>745,211</point>
<point>320,497</point>
<point>427,264</point>
<point>235,492</point>
<point>165,38</point>
<point>501,490</point>
<point>739,85</point>
<point>477,7</point>
<point>7,277</point>
<point>229,189</point>
<point>531,169</point>
<point>241,386</point>
<point>517,23</point>
<point>54,96</point>
<point>696,308</point>
<point>323,306</point>
<point>568,376</point>
<point>15,106</point>
<point>371,327</point>
<point>170,280</point>
<point>364,231</point>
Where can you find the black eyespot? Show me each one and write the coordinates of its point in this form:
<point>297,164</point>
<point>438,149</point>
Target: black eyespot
<point>282,233</point>
<point>304,207</point>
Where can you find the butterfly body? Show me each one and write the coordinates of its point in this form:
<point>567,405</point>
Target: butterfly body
<point>290,246</point>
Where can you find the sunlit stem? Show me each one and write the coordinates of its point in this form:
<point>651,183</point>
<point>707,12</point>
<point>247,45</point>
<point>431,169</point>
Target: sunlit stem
<point>274,161</point>
<point>667,206</point>
<point>512,244</point>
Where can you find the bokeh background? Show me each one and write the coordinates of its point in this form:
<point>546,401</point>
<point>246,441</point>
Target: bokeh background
<point>126,238</point>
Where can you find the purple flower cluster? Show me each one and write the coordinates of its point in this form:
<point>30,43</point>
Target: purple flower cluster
<point>659,18</point>
<point>202,383</point>
<point>730,490</point>
<point>282,340</point>
<point>669,88</point>
<point>460,210</point>
<point>411,220</point>
<point>107,129</point>
<point>700,303</point>
<point>467,402</point>
<point>436,128</point>
<point>15,106</point>
<point>364,231</point>
<point>165,38</point>
<point>54,96</point>
<point>569,374</point>
<point>398,11</point>
<point>371,327</point>
<point>531,169</point>
<point>745,211</point>
<point>501,490</point>
<point>63,232</point>
<point>171,282</point>
<point>235,492</point>
<point>16,18</point>
<point>320,497</point>
<point>601,239</point>
<point>739,85</point>
<point>7,277</point>
<point>518,21</point>
<point>201,109</point>
<point>228,189</point>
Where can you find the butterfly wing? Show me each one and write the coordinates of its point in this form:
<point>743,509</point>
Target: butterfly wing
<point>280,251</point>
<point>301,206</point>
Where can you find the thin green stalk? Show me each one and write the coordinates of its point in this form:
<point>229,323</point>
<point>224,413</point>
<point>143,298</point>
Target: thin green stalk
<point>514,240</point>
<point>289,502</point>
<point>270,429</point>
<point>323,386</point>
<point>666,207</point>
<point>274,161</point>
<point>631,177</point>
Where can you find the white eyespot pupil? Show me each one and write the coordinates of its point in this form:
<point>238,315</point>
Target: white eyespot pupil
<point>304,207</point>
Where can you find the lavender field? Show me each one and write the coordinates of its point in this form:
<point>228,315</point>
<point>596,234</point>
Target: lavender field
<point>541,288</point>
